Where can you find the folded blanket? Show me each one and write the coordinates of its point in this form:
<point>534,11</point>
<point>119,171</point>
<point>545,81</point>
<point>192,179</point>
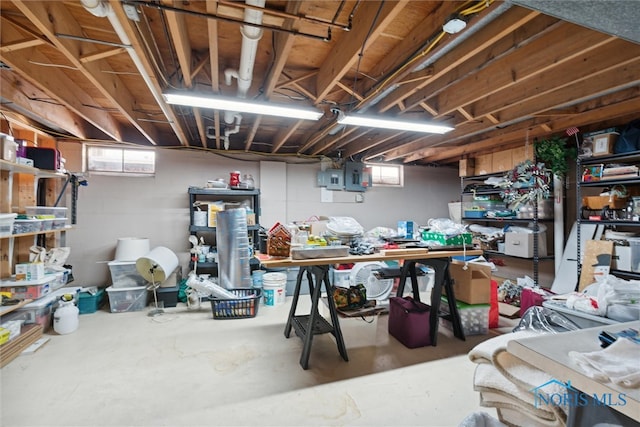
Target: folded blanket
<point>617,363</point>
<point>498,392</point>
<point>507,382</point>
<point>483,352</point>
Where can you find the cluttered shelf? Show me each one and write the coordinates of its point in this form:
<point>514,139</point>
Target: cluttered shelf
<point>630,156</point>
<point>499,254</point>
<point>34,233</point>
<point>19,168</point>
<point>199,228</point>
<point>504,219</point>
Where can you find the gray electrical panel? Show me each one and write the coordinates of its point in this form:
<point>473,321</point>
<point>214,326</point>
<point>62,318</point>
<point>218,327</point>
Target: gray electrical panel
<point>356,177</point>
<point>333,179</point>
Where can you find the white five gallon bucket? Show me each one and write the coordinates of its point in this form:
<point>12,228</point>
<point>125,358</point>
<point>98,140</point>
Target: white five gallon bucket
<point>274,288</point>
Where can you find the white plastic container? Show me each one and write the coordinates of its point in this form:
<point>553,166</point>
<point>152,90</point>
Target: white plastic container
<point>66,318</point>
<point>634,243</point>
<point>57,211</point>
<point>6,223</point>
<point>125,275</point>
<point>274,289</point>
<point>124,300</point>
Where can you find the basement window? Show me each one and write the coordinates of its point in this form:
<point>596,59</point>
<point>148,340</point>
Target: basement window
<point>120,161</point>
<point>386,175</point>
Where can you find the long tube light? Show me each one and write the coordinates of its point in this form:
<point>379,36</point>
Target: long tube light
<point>241,105</point>
<point>409,126</point>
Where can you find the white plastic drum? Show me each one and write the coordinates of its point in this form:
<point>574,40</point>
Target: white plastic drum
<point>131,248</point>
<point>274,289</point>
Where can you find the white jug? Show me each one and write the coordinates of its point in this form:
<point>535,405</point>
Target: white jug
<point>67,317</point>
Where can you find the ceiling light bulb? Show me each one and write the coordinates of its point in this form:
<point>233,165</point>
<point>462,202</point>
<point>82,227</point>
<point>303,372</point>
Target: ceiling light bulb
<point>454,25</point>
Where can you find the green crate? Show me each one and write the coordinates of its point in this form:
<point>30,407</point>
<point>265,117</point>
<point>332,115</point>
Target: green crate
<point>441,238</point>
<point>90,302</point>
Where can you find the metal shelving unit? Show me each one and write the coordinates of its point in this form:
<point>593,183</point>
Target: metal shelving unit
<point>536,259</point>
<point>633,182</point>
<point>231,195</point>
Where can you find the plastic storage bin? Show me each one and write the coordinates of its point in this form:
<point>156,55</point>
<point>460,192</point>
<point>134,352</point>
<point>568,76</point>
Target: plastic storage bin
<point>6,223</point>
<point>122,300</point>
<point>47,224</point>
<point>26,226</point>
<point>474,317</point>
<point>34,289</point>
<point>59,223</point>
<point>57,212</point>
<point>41,310</point>
<point>90,300</point>
<point>168,296</point>
<point>125,275</point>
<point>634,243</point>
<point>244,307</point>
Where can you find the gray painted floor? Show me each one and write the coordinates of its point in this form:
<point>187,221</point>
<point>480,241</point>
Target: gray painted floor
<point>186,369</point>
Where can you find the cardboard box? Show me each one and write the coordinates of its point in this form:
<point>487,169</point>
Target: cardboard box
<point>251,219</point>
<point>30,271</point>
<point>519,155</point>
<point>473,285</point>
<point>467,167</point>
<point>521,244</point>
<point>603,144</point>
<point>213,209</point>
<point>484,164</point>
<point>502,161</point>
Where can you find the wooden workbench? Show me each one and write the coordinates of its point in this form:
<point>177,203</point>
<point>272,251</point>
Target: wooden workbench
<point>317,272</point>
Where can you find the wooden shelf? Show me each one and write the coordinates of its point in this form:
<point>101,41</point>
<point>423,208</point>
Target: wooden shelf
<point>39,173</point>
<point>36,233</point>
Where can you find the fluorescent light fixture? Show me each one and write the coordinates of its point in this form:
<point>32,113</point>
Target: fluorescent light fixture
<point>241,105</point>
<point>383,123</point>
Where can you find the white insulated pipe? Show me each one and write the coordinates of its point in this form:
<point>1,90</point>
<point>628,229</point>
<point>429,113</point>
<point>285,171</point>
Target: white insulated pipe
<point>250,37</point>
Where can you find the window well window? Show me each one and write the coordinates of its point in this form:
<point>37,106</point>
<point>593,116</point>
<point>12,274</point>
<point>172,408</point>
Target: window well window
<point>117,160</point>
<point>387,175</point>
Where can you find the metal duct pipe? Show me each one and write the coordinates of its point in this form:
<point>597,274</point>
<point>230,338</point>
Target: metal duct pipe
<point>103,9</point>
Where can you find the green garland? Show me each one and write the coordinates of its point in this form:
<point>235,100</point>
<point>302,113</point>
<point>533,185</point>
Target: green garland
<point>528,182</point>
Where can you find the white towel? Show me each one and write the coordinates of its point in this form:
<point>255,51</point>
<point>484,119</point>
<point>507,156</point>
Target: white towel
<point>483,352</point>
<point>618,363</point>
<point>507,382</point>
<point>496,391</point>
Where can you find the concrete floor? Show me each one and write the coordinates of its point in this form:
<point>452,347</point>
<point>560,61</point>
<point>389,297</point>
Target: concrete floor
<point>184,368</point>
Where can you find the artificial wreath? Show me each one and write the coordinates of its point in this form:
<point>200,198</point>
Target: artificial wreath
<point>527,183</point>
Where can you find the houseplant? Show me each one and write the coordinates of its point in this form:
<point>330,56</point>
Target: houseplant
<point>555,154</point>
